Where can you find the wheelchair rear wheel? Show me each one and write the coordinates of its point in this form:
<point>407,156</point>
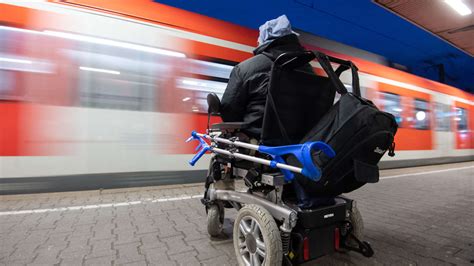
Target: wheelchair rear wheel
<point>257,238</point>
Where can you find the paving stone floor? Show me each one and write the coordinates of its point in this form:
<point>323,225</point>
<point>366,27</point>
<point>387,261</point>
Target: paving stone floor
<point>419,216</point>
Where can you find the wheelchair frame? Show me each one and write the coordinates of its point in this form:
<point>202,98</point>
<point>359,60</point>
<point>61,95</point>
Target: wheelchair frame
<point>286,217</point>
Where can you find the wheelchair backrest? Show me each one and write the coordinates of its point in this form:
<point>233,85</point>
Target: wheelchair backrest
<point>296,100</point>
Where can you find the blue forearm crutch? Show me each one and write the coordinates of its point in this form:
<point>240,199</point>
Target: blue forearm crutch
<point>302,152</point>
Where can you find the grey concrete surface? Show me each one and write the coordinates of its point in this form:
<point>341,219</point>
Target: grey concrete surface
<point>416,216</point>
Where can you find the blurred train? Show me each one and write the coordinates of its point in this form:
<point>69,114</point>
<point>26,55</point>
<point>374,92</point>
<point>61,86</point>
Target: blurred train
<point>90,90</point>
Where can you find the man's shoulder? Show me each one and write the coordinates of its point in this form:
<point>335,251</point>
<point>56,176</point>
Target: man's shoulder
<point>257,63</point>
<point>259,58</point>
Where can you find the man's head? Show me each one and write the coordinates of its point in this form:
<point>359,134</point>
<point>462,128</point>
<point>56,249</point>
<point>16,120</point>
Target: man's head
<point>274,29</point>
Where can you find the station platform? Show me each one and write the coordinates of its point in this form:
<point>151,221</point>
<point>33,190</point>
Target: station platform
<point>413,216</point>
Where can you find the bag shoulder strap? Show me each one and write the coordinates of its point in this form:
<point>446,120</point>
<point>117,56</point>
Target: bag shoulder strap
<point>271,101</point>
<point>325,62</point>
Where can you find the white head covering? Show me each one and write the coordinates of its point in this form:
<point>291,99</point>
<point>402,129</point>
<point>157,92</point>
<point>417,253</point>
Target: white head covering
<point>274,29</point>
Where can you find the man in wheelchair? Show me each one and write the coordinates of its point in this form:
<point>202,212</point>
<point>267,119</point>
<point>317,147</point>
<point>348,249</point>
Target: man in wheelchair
<point>292,210</point>
<point>246,93</point>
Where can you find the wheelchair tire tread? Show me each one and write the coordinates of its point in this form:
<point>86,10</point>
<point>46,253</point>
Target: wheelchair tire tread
<point>215,220</point>
<point>269,230</point>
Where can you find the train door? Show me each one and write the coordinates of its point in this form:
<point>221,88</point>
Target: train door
<point>444,136</point>
<point>462,125</point>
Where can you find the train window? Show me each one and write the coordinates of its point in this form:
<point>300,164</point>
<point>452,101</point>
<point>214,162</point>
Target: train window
<point>101,91</point>
<point>443,117</point>
<point>7,84</point>
<point>197,90</point>
<point>11,62</point>
<point>461,119</point>
<point>392,103</point>
<point>115,78</point>
<point>421,115</point>
<point>202,78</point>
<point>210,69</point>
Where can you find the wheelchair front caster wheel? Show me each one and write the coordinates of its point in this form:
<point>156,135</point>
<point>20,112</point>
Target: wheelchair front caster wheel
<point>215,220</point>
<point>355,227</point>
<point>257,238</point>
<point>366,249</point>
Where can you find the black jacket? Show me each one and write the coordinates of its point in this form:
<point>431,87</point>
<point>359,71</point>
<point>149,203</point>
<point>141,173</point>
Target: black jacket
<point>245,96</point>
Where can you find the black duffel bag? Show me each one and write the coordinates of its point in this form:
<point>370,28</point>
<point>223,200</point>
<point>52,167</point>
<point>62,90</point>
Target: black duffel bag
<point>356,129</point>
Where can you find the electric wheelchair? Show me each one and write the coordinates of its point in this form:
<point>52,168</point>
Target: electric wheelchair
<point>276,224</point>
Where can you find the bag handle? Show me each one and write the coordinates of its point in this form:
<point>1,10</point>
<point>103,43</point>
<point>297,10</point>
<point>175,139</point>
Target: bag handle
<point>292,60</point>
<point>325,62</point>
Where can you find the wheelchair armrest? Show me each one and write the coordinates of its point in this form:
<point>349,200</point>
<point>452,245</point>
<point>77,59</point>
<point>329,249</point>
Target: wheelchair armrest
<point>229,126</point>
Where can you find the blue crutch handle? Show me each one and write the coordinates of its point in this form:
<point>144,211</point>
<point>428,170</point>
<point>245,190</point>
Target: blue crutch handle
<point>202,145</point>
<point>198,156</point>
<point>303,153</point>
<point>310,170</point>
